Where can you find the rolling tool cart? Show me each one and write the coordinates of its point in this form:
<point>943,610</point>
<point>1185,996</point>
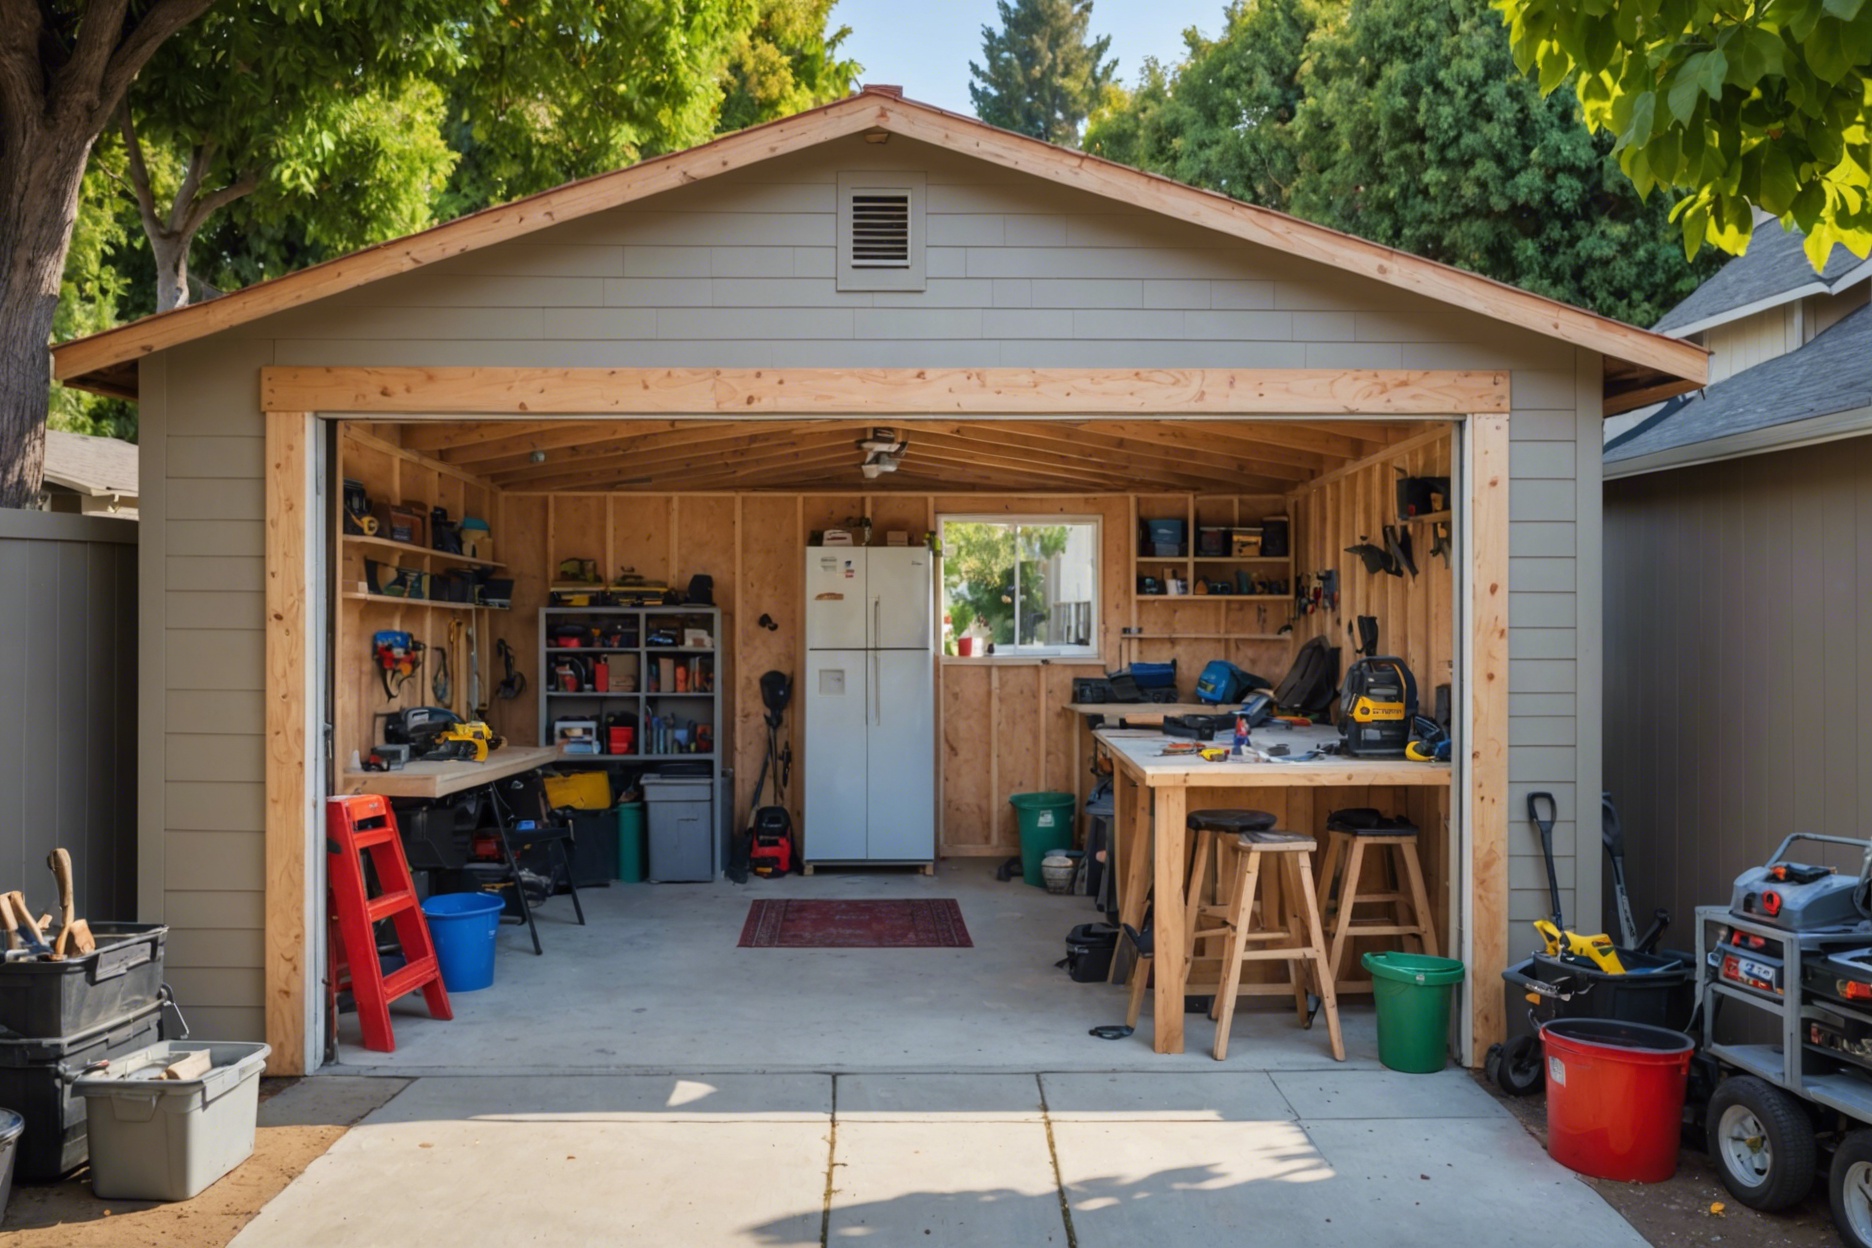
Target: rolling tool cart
<point>1795,944</point>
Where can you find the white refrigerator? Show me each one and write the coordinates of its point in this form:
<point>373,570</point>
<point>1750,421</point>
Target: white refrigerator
<point>870,704</point>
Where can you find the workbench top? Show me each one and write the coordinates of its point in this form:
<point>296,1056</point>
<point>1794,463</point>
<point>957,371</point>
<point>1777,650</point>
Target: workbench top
<point>439,779</point>
<point>1140,752</point>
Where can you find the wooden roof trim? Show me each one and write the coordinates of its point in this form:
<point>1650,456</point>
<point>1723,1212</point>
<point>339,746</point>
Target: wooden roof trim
<point>868,110</point>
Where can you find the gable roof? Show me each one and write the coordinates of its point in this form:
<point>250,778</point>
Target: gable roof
<point>1830,375</point>
<point>1773,271</point>
<point>91,466</point>
<point>106,361</point>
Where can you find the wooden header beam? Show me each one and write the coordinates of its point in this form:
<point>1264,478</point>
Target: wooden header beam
<point>739,392</point>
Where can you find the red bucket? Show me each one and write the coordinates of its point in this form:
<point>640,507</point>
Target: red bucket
<point>1615,1094</point>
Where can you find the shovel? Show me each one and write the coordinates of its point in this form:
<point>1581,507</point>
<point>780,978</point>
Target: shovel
<point>74,934</point>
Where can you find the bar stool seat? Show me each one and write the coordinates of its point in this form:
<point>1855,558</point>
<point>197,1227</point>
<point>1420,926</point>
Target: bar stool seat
<point>1216,833</point>
<point>1349,834</point>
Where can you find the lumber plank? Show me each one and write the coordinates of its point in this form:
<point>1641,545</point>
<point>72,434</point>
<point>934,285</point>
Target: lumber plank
<point>879,391</point>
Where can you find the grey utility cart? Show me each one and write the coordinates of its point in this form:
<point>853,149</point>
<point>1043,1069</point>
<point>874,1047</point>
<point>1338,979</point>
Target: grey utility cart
<point>1775,1105</point>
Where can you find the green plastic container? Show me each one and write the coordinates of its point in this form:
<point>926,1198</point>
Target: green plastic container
<point>1413,992</point>
<point>631,847</point>
<point>1046,824</point>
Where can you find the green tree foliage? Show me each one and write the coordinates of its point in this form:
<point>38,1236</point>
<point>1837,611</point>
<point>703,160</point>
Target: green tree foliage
<point>982,561</point>
<point>1403,121</point>
<point>273,134</point>
<point>1042,76</point>
<point>1743,104</point>
<point>786,63</point>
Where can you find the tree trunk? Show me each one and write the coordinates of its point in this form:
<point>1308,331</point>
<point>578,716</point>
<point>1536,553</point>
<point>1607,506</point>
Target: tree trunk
<point>170,252</point>
<point>40,180</point>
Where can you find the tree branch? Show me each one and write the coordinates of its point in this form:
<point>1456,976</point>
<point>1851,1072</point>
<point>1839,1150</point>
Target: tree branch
<point>199,160</point>
<point>164,19</point>
<point>139,174</point>
<point>206,207</point>
<point>98,32</point>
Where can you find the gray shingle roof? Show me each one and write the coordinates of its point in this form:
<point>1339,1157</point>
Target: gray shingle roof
<point>1773,270</point>
<point>89,465</point>
<point>1832,373</point>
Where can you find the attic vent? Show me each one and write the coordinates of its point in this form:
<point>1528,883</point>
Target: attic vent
<point>880,231</point>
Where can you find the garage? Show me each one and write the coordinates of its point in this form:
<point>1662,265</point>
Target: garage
<point>672,373</point>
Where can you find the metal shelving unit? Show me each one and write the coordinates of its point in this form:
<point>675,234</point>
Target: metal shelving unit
<point>703,707</point>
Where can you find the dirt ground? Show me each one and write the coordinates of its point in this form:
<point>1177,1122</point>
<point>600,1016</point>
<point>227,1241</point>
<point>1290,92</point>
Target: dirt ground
<point>1678,1214</point>
<point>299,1120</point>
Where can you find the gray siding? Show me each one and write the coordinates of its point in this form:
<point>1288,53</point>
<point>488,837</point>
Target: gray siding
<point>68,708</point>
<point>738,271</point>
<point>1739,660</point>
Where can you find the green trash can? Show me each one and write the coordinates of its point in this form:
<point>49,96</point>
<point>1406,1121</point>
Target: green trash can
<point>1413,992</point>
<point>1046,824</point>
<point>630,825</point>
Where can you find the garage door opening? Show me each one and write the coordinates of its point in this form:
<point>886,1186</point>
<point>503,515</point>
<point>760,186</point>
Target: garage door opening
<point>607,594</point>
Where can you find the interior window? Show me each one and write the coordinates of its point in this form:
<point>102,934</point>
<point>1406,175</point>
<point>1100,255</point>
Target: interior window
<point>1020,587</point>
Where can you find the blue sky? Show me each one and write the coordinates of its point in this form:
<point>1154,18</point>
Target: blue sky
<point>925,46</point>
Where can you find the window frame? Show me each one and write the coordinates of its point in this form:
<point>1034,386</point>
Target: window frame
<point>1015,650</point>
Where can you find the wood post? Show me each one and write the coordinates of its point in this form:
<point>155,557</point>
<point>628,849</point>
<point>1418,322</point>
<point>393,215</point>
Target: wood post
<point>1486,475</point>
<point>289,629</point>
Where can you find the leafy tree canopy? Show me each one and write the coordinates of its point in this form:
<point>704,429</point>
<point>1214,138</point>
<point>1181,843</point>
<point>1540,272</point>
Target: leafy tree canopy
<point>1743,104</point>
<point>272,134</point>
<point>1403,121</point>
<point>1041,76</point>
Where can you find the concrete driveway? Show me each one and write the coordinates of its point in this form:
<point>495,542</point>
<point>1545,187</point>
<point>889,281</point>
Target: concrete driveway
<point>1097,1160</point>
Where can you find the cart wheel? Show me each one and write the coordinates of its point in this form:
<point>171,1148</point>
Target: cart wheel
<point>1849,1189</point>
<point>1516,1067</point>
<point>1762,1143</point>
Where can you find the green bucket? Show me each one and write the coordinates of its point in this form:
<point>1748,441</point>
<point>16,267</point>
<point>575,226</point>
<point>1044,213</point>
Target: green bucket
<point>1046,824</point>
<point>630,822</point>
<point>1413,992</point>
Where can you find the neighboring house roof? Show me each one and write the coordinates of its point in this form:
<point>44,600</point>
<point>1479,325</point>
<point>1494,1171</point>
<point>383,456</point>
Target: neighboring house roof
<point>1820,390</point>
<point>1773,271</point>
<point>105,361</point>
<point>98,467</point>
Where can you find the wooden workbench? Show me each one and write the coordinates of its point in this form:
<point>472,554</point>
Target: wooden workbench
<point>433,780</point>
<point>1151,844</point>
<point>1089,713</point>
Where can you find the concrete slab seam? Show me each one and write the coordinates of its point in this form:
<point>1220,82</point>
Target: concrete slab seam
<point>1059,1179</point>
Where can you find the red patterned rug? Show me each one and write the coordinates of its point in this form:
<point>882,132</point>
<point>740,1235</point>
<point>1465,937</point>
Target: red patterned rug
<point>909,924</point>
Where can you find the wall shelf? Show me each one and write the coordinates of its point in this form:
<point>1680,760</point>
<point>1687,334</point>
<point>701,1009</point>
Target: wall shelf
<point>384,543</point>
<point>700,707</point>
<point>391,600</point>
<point>1429,517</point>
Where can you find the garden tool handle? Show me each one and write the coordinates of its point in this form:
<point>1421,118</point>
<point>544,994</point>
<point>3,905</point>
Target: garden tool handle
<point>60,862</point>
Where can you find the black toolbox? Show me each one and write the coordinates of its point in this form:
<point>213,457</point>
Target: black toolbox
<point>36,1078</point>
<point>124,974</point>
<point>1658,990</point>
<point>1089,949</point>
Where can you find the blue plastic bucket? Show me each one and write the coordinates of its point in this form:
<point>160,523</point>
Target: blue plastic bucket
<point>463,927</point>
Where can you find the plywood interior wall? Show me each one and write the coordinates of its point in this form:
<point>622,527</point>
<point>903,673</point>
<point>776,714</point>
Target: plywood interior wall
<point>372,455</point>
<point>1414,613</point>
<point>1002,729</point>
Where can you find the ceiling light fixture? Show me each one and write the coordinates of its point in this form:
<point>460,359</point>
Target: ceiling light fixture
<point>884,451</point>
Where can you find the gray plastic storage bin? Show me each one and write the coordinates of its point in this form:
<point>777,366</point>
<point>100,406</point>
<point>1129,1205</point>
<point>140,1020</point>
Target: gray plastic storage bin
<point>158,1139</point>
<point>682,831</point>
<point>11,1124</point>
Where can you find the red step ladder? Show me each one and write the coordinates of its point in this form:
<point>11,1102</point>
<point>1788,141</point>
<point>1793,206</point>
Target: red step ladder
<point>356,826</point>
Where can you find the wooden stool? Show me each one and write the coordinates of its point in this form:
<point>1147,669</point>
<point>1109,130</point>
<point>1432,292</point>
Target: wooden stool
<point>1349,833</point>
<point>1297,922</point>
<point>1217,833</point>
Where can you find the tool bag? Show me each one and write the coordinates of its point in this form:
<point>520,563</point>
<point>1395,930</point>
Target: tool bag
<point>1308,686</point>
<point>1221,681</point>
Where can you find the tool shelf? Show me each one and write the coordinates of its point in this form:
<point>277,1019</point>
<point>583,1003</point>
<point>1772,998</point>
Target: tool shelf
<point>703,707</point>
<point>394,601</point>
<point>384,543</point>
